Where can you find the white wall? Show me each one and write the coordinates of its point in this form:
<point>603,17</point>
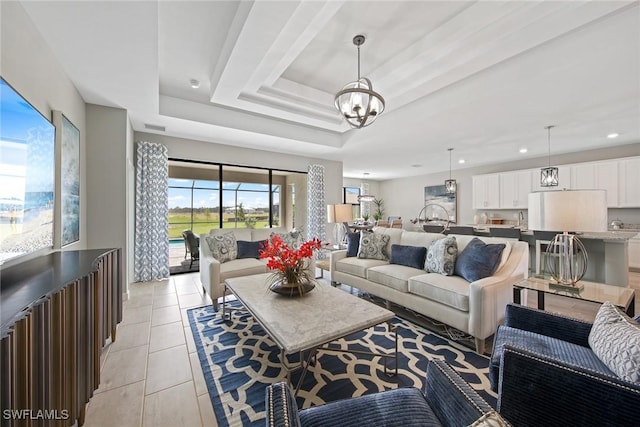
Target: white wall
<point>107,195</point>
<point>406,195</point>
<point>28,65</point>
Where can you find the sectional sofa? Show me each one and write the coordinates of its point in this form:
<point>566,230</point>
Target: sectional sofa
<point>475,307</point>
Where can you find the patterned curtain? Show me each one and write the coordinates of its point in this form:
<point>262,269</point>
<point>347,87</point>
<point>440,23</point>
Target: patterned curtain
<point>317,209</point>
<point>152,210</point>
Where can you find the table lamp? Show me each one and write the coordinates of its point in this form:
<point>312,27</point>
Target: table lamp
<point>337,214</point>
<point>568,211</point>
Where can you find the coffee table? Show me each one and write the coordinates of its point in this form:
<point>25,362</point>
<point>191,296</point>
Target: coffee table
<point>308,323</point>
<point>591,291</point>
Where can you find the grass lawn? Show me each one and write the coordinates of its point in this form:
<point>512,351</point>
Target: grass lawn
<point>205,222</point>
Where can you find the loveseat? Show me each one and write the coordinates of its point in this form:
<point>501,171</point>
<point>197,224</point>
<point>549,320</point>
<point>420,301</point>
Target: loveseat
<point>475,307</point>
<point>587,372</point>
<point>447,400</point>
<point>213,273</point>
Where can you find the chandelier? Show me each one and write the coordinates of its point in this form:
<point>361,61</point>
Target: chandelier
<point>549,175</point>
<point>450,184</point>
<point>357,102</point>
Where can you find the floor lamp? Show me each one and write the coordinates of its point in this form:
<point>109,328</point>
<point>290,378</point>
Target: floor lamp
<point>568,211</point>
<point>338,214</point>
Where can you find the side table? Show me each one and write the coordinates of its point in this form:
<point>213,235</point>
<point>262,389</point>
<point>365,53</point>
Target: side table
<point>325,264</point>
<point>591,291</point>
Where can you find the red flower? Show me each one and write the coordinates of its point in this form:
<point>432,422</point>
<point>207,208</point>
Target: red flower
<point>291,262</point>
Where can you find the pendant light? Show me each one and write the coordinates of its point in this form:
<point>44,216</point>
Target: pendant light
<point>549,175</point>
<point>450,184</point>
<point>364,188</point>
<point>357,102</point>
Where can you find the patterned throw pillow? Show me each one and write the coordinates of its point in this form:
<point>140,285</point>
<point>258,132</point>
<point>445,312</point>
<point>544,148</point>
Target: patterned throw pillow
<point>441,256</point>
<point>223,246</point>
<point>293,239</point>
<point>490,419</point>
<point>373,246</point>
<point>615,339</point>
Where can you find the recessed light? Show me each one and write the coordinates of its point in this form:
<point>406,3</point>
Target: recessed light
<point>523,150</point>
<point>613,135</point>
<point>194,83</point>
<point>416,166</point>
<point>461,161</point>
<point>366,174</point>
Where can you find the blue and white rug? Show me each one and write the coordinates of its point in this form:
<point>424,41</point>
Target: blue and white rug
<point>239,360</point>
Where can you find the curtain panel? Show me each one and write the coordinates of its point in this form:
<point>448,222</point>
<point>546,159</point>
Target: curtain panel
<point>316,207</point>
<point>152,209</point>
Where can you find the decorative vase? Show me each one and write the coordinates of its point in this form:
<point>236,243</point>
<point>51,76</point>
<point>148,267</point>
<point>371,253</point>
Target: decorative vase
<point>484,219</point>
<point>476,219</point>
<point>297,289</point>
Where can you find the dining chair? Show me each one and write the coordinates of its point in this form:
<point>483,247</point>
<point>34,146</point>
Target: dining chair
<point>396,223</point>
<point>382,223</point>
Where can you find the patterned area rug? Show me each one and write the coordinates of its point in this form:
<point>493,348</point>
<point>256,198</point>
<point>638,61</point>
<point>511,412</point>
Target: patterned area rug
<point>238,360</point>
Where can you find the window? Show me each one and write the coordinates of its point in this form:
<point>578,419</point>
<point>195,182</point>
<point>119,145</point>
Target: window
<point>350,195</point>
<point>193,205</point>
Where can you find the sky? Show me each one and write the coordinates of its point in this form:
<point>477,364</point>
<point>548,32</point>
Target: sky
<point>250,195</point>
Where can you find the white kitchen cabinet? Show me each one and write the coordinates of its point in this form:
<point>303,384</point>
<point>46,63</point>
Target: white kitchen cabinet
<point>607,179</point>
<point>629,182</point>
<point>634,252</point>
<point>597,176</point>
<point>514,189</point>
<point>583,176</point>
<point>486,191</point>
<point>564,179</point>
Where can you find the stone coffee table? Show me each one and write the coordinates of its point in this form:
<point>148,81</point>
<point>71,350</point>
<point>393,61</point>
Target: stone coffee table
<point>308,323</point>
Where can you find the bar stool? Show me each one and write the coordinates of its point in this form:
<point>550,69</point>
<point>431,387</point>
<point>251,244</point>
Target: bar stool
<point>433,228</point>
<point>507,233</point>
<point>461,229</point>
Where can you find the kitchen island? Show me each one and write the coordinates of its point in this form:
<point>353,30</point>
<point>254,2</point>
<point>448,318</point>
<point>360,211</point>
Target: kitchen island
<point>607,252</point>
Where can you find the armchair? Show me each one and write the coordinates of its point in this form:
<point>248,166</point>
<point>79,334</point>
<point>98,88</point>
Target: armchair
<point>447,400</point>
<point>192,246</point>
<point>545,373</point>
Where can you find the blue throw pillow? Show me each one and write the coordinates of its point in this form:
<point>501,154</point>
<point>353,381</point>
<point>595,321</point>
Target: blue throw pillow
<point>250,249</point>
<point>353,244</point>
<point>478,260</point>
<point>411,256</point>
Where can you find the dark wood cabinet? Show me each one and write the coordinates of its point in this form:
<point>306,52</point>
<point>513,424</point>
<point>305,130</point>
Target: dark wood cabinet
<point>57,312</point>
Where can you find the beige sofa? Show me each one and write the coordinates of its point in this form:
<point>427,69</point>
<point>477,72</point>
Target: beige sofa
<point>213,273</point>
<point>475,308</point>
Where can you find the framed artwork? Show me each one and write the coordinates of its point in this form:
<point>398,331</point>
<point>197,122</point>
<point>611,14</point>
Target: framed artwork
<point>69,179</point>
<point>440,205</point>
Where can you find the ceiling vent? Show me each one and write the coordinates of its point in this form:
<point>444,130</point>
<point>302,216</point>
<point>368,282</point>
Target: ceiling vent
<point>155,127</point>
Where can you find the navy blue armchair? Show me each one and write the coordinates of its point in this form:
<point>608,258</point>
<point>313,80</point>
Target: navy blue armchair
<point>546,374</point>
<point>447,401</point>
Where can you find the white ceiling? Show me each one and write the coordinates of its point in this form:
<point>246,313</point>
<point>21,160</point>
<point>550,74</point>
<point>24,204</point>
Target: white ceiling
<point>484,77</point>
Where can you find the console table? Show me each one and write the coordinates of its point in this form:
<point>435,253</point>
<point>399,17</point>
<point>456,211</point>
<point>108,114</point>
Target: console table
<point>57,312</point>
<point>589,291</point>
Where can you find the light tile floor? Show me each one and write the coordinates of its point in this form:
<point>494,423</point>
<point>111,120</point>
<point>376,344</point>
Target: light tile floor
<point>151,375</point>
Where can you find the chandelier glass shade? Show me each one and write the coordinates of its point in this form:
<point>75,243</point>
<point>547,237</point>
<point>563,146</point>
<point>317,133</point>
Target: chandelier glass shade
<point>450,184</point>
<point>357,102</point>
<point>549,175</point>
